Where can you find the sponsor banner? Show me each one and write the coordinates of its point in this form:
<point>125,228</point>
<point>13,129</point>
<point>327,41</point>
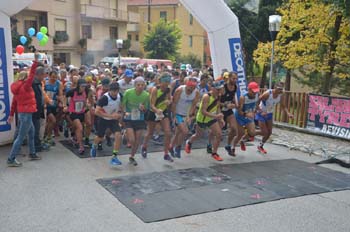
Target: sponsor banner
<point>238,64</point>
<point>4,90</point>
<point>329,115</point>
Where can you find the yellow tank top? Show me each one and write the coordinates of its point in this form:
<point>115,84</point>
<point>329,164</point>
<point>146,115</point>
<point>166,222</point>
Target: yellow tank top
<point>161,105</point>
<point>205,119</point>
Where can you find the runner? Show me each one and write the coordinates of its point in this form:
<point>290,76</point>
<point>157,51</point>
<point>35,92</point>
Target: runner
<point>159,113</point>
<point>126,82</point>
<point>109,112</point>
<point>135,102</point>
<point>77,106</point>
<point>245,115</point>
<point>183,107</point>
<point>228,103</point>
<point>54,89</point>
<point>268,100</point>
<point>209,116</point>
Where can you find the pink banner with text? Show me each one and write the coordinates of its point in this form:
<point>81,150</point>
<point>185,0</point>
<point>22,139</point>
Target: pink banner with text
<point>329,115</point>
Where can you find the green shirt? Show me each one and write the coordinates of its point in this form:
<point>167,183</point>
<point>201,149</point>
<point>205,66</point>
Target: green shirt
<point>132,101</point>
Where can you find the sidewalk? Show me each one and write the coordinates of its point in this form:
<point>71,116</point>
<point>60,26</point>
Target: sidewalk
<point>60,193</point>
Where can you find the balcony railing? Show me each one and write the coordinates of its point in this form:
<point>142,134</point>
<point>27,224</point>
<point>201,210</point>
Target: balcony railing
<point>103,13</point>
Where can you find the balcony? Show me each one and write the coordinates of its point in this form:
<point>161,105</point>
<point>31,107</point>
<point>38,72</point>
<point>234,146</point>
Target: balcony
<point>132,27</point>
<point>133,17</point>
<point>99,12</point>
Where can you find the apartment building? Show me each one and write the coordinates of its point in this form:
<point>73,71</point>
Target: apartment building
<point>194,37</point>
<point>80,31</point>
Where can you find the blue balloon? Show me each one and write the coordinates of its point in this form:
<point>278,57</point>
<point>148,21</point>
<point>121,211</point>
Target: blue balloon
<point>39,36</point>
<point>23,39</point>
<point>31,32</point>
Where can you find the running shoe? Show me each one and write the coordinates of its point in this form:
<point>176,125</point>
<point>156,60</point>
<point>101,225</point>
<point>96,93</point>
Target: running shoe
<point>262,150</point>
<point>34,157</point>
<point>132,161</point>
<point>157,140</point>
<point>216,157</point>
<point>178,152</point>
<point>229,150</point>
<point>66,132</point>
<point>99,147</point>
<point>115,161</point>
<point>14,163</point>
<point>87,142</point>
<point>209,149</point>
<point>243,148</point>
<point>233,152</point>
<point>168,158</point>
<point>108,141</point>
<point>188,147</point>
<point>81,150</point>
<point>172,152</point>
<point>144,152</point>
<point>93,151</point>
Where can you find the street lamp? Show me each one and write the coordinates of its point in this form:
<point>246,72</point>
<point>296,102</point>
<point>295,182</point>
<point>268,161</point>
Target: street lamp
<point>119,47</point>
<point>274,28</point>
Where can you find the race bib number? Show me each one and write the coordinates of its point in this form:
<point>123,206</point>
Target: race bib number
<point>79,106</point>
<point>270,109</point>
<point>135,114</point>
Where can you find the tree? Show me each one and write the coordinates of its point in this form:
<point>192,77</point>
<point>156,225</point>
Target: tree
<point>190,59</point>
<point>314,43</point>
<point>163,40</point>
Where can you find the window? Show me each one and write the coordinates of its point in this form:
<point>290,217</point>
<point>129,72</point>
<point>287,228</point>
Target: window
<point>137,37</point>
<point>129,37</point>
<point>190,40</point>
<point>86,31</point>
<point>163,15</point>
<point>60,25</point>
<point>191,19</point>
<point>30,23</point>
<point>113,32</point>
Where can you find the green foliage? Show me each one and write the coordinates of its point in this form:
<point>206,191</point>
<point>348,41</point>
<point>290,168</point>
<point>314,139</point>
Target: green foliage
<point>16,40</point>
<point>163,40</point>
<point>191,58</point>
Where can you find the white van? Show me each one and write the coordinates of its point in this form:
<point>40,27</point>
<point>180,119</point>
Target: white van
<point>26,59</point>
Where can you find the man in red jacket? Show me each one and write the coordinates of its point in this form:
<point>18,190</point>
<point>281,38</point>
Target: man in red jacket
<point>26,106</point>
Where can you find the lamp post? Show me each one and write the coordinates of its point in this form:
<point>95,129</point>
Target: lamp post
<point>119,47</point>
<point>274,28</point>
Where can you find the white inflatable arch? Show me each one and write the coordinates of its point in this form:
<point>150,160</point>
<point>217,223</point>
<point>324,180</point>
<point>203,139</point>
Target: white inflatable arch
<point>222,27</point>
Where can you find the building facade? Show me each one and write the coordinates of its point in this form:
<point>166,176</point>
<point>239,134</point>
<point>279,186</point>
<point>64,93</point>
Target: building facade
<point>194,37</point>
<point>80,31</point>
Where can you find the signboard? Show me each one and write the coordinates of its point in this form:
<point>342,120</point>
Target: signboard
<point>329,115</point>
<point>4,91</point>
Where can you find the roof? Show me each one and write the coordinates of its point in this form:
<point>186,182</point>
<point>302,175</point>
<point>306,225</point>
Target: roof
<point>153,2</point>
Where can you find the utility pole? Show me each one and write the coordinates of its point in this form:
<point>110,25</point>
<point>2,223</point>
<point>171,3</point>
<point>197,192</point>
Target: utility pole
<point>149,15</point>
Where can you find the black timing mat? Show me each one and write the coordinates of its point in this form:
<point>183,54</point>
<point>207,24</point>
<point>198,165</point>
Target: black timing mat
<point>152,147</point>
<point>165,195</point>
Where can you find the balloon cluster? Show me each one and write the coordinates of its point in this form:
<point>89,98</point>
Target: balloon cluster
<point>41,36</point>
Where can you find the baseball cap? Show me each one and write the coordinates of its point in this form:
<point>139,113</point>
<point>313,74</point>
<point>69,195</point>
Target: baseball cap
<point>105,81</point>
<point>218,84</point>
<point>226,75</point>
<point>129,73</point>
<point>183,67</point>
<point>254,87</point>
<point>165,77</point>
<point>191,82</point>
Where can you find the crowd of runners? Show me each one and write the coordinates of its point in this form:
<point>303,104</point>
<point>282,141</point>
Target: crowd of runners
<point>135,106</point>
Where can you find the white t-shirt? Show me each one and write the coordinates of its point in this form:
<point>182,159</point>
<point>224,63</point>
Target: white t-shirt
<point>123,86</point>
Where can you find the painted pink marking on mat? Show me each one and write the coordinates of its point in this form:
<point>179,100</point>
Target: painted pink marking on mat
<point>260,182</point>
<point>138,201</point>
<point>217,178</point>
<point>115,181</point>
<point>255,196</point>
